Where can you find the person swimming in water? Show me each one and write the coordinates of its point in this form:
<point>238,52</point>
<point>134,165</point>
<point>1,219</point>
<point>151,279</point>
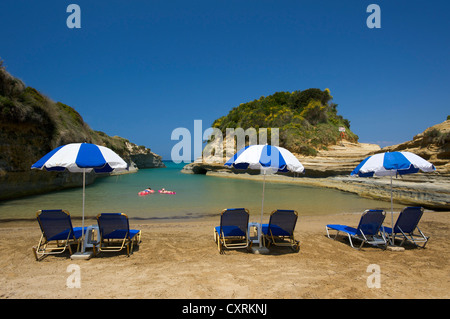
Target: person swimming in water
<point>146,191</point>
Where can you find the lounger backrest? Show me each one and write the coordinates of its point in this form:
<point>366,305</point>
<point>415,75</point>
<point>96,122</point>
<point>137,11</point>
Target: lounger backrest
<point>282,222</point>
<point>54,222</point>
<point>408,219</point>
<point>113,225</point>
<point>237,217</point>
<point>371,221</point>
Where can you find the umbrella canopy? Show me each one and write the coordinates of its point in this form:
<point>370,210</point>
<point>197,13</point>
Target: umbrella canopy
<point>266,158</point>
<point>81,158</point>
<point>392,164</point>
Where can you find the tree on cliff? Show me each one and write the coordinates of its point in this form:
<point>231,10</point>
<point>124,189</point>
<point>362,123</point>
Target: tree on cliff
<point>307,120</point>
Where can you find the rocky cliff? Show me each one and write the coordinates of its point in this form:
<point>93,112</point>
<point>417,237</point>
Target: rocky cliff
<point>339,159</point>
<point>433,144</point>
<point>31,125</point>
<point>331,168</point>
<point>430,190</point>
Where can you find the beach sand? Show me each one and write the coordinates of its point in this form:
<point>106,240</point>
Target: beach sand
<point>179,260</point>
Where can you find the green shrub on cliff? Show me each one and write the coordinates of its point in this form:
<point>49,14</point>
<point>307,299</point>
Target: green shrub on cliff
<point>435,136</point>
<point>307,120</point>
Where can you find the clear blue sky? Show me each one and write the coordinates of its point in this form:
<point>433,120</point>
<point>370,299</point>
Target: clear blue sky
<point>140,69</point>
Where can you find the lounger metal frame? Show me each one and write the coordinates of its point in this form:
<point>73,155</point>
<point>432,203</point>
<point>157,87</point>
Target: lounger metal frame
<point>374,240</point>
<point>221,239</point>
<point>411,236</point>
<point>110,247</point>
<point>280,240</point>
<point>45,247</point>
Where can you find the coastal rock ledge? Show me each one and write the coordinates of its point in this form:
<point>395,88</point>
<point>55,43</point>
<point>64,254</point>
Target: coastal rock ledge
<point>331,168</point>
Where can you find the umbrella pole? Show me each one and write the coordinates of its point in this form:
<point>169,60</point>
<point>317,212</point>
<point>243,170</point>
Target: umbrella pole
<point>82,254</point>
<point>82,219</point>
<point>392,217</point>
<point>262,208</point>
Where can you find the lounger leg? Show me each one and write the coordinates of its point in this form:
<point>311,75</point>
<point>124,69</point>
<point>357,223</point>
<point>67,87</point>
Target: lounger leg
<point>296,246</point>
<point>385,240</point>
<point>265,240</point>
<point>350,239</point>
<point>424,237</point>
<point>362,240</point>
<point>217,241</point>
<point>133,242</point>
<point>99,246</point>
<point>360,246</point>
<point>328,234</point>
<point>35,253</point>
<point>219,244</point>
<point>413,240</point>
<point>403,240</point>
<point>37,249</point>
<point>132,245</point>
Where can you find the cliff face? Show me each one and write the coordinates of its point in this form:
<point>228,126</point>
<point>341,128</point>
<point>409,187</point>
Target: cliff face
<point>331,168</point>
<point>433,144</point>
<point>31,125</point>
<point>339,159</point>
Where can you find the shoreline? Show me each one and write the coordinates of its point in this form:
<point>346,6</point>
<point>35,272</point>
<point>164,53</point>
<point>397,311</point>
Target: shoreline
<point>172,219</point>
<point>427,190</point>
<point>180,260</point>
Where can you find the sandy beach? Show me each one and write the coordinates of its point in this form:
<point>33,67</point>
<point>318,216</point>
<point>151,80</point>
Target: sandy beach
<point>178,259</point>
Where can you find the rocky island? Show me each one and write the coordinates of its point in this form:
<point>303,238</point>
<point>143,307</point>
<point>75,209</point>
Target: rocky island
<point>31,125</point>
<point>329,158</point>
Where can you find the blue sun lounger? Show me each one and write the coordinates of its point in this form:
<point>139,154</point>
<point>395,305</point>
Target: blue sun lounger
<point>368,230</point>
<point>280,229</point>
<point>232,233</point>
<point>57,233</point>
<point>407,222</point>
<point>115,233</point>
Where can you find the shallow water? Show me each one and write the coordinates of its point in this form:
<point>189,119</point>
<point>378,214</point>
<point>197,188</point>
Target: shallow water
<point>196,196</point>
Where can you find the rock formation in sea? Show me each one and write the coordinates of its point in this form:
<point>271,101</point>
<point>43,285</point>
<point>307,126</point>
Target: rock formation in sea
<point>31,125</point>
<point>336,160</point>
<point>331,167</point>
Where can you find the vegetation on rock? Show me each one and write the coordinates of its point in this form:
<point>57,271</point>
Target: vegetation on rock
<point>307,120</point>
<point>31,125</point>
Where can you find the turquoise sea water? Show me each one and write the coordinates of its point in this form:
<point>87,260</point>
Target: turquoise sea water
<point>196,196</point>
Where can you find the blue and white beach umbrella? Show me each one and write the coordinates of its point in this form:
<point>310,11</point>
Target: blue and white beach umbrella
<point>266,158</point>
<point>81,158</point>
<point>392,164</point>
